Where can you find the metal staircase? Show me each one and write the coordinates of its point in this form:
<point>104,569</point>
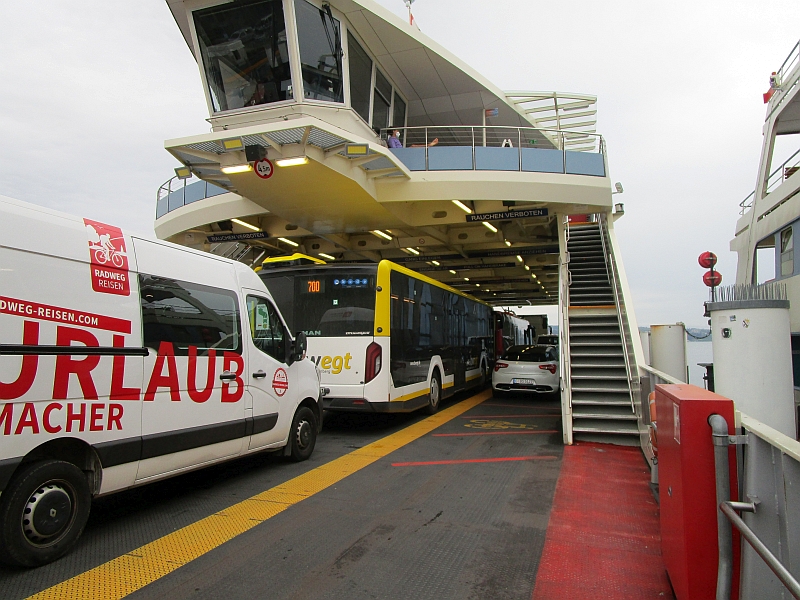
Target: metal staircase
<point>602,406</point>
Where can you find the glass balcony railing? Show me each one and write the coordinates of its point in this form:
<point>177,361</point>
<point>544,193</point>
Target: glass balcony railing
<point>176,193</point>
<point>526,149</point>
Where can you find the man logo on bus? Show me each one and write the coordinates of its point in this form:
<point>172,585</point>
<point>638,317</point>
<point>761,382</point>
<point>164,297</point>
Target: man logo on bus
<point>280,382</point>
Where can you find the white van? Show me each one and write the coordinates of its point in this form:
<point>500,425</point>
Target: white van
<point>124,361</point>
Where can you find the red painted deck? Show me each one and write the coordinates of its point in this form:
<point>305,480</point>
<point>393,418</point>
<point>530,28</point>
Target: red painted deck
<point>603,539</point>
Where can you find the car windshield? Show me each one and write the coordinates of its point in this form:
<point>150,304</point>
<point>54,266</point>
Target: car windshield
<point>548,339</point>
<point>527,354</point>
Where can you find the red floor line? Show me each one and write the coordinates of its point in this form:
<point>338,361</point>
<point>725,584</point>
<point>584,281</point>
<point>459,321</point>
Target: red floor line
<point>603,539</point>
<point>471,460</point>
<point>495,433</point>
<point>552,416</point>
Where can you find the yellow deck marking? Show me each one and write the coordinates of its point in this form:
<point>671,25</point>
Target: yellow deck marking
<point>132,571</point>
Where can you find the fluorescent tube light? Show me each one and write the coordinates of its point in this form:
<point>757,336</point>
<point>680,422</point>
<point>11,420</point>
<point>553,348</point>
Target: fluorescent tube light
<point>490,227</point>
<point>453,272</point>
<point>463,206</point>
<point>237,169</point>
<point>508,243</point>
<point>291,162</point>
<point>519,258</point>
<point>243,224</point>
<point>379,233</point>
<point>413,251</point>
<point>328,256</point>
<point>435,263</point>
<point>290,242</point>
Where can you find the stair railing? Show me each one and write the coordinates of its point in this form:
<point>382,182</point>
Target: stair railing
<point>563,332</point>
<point>619,302</point>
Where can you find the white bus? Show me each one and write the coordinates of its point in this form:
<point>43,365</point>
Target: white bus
<point>385,338</point>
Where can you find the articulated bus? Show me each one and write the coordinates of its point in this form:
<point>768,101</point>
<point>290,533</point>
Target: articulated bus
<point>511,330</point>
<point>361,318</point>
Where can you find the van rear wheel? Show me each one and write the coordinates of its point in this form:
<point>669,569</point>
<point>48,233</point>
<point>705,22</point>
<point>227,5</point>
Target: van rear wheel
<point>303,436</point>
<point>42,513</point>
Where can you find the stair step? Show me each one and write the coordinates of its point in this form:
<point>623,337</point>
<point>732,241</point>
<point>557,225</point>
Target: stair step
<point>593,362</point>
<point>587,373</point>
<point>593,320</point>
<point>623,413</point>
<point>599,386</point>
<point>577,338</point>
<point>605,352</point>
<point>610,439</point>
<point>606,426</point>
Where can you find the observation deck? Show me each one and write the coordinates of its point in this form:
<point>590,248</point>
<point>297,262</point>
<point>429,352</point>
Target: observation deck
<point>303,99</point>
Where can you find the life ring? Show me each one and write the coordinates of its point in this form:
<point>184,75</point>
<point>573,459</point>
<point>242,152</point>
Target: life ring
<point>652,426</point>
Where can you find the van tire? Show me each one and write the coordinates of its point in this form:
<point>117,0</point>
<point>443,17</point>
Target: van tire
<point>435,394</point>
<point>42,513</point>
<point>303,435</point>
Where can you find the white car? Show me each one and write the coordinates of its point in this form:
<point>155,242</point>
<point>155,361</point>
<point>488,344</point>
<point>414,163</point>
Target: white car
<point>547,340</point>
<point>527,369</point>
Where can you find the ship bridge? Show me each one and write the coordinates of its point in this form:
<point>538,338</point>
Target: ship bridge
<point>341,131</point>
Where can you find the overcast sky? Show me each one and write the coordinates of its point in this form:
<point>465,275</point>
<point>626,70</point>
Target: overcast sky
<point>89,91</point>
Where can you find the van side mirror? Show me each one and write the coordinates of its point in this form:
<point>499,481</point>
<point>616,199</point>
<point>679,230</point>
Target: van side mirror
<point>298,348</point>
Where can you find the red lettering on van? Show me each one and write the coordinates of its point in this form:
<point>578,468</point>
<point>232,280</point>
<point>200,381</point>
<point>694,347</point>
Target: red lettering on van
<point>229,359</point>
<point>27,373</point>
<point>27,419</point>
<point>79,417</point>
<point>66,365</point>
<point>5,418</point>
<point>114,417</point>
<point>48,426</point>
<point>96,422</point>
<point>118,389</point>
<point>166,354</point>
<point>201,396</point>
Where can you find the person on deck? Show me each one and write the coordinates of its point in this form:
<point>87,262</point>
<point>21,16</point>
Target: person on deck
<point>394,140</point>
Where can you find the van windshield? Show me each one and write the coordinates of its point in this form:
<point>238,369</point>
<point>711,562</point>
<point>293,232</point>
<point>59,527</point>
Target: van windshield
<point>325,302</point>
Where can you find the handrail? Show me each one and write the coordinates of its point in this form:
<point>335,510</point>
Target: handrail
<point>722,441</point>
<point>563,137</point>
<point>611,267</point>
<point>770,182</point>
<point>563,327</point>
<point>768,557</point>
<point>660,374</point>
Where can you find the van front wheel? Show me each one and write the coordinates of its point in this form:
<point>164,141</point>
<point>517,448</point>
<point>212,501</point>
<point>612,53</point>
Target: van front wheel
<point>43,513</point>
<point>303,435</point>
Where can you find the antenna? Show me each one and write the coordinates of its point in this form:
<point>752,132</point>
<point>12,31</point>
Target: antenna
<point>408,4</point>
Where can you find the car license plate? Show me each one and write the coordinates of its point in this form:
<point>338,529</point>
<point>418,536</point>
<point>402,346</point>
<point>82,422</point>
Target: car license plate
<point>523,381</point>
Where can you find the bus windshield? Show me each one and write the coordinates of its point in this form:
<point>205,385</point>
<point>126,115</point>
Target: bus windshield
<point>325,302</point>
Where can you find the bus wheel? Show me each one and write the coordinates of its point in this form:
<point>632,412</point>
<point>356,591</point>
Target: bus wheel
<point>435,396</point>
<point>43,513</point>
<point>303,435</point>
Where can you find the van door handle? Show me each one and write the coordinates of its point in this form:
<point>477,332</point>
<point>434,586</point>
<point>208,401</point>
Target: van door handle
<point>227,375</point>
<point>259,374</point>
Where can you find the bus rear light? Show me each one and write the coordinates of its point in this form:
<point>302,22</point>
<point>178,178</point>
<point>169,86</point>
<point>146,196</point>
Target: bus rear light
<point>374,355</point>
<point>551,367</point>
<point>498,366</point>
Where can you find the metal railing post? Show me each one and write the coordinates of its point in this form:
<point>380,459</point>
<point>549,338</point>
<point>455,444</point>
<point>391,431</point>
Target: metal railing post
<point>719,433</point>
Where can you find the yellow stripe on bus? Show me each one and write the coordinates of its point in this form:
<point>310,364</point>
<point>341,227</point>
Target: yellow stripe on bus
<point>132,571</point>
<point>410,396</point>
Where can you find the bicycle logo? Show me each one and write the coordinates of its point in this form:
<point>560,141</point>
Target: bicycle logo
<point>105,252</point>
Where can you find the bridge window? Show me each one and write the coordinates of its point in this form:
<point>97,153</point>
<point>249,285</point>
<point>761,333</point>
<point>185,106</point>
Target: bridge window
<point>244,52</point>
<point>787,253</point>
<point>319,35</point>
<point>764,267</point>
<point>381,102</point>
<point>399,112</point>
<point>360,77</point>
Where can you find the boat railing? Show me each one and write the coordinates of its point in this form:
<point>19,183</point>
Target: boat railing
<point>768,466</point>
<point>175,193</point>
<point>498,148</point>
<point>789,64</point>
<point>788,168</point>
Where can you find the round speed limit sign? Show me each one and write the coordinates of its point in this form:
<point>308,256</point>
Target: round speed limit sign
<point>264,168</point>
